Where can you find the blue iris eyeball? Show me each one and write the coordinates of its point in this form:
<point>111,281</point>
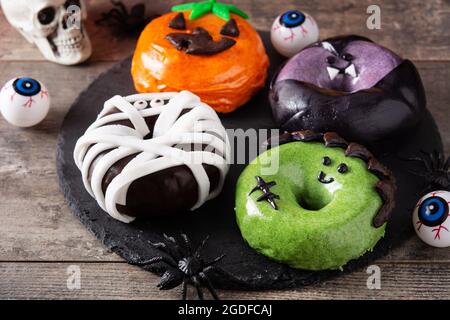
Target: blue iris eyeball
<point>27,87</point>
<point>292,18</point>
<point>433,211</point>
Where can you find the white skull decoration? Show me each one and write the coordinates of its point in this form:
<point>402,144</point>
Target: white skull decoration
<point>54,26</point>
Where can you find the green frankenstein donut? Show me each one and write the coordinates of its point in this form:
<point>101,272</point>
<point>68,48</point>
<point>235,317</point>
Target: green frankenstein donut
<point>327,203</point>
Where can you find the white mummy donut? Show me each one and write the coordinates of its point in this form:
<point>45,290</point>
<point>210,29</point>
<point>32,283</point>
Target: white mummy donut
<point>180,121</point>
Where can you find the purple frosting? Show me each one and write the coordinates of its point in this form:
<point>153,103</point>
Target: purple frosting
<point>355,66</point>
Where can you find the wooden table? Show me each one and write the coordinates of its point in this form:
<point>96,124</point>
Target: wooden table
<point>40,238</point>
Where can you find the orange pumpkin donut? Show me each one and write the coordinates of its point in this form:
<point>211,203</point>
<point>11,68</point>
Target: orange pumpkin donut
<point>223,62</point>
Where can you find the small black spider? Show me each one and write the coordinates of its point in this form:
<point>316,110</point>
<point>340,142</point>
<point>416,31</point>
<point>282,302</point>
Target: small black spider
<point>436,171</point>
<point>185,265</point>
<point>267,194</point>
<point>125,22</point>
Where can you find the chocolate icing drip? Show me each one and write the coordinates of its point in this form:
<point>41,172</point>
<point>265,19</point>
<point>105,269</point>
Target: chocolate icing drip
<point>378,169</point>
<point>199,42</point>
<point>358,151</point>
<point>386,187</point>
<point>333,140</point>
<point>282,139</point>
<point>178,22</point>
<point>230,29</point>
<point>306,135</point>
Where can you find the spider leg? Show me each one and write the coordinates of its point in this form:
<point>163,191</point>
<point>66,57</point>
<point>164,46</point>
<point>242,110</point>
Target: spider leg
<point>154,260</point>
<point>440,158</point>
<point>427,161</point>
<point>138,11</point>
<point>105,16</point>
<point>187,243</point>
<point>201,246</point>
<point>411,159</point>
<point>221,272</point>
<point>417,173</point>
<point>166,249</point>
<point>184,290</point>
<point>434,157</point>
<point>215,260</point>
<point>199,289</point>
<point>174,243</point>
<point>113,15</point>
<point>208,284</point>
<point>443,181</point>
<point>121,6</point>
<point>447,164</point>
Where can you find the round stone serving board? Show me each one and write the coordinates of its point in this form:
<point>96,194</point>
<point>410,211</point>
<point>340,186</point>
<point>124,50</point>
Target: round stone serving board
<point>216,218</point>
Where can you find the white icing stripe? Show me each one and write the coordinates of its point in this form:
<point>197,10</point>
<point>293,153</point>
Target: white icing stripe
<point>133,114</point>
<point>172,134</point>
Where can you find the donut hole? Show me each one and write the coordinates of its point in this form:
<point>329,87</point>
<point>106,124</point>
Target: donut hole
<point>315,201</point>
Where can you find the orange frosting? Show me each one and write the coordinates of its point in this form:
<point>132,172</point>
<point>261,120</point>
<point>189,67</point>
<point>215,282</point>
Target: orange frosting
<point>225,80</point>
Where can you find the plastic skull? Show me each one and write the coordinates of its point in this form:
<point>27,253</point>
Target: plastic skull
<point>54,26</point>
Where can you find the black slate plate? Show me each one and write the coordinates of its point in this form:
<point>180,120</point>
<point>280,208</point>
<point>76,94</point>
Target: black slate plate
<point>216,218</point>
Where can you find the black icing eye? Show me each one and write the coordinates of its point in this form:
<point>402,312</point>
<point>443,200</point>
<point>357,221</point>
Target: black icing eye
<point>331,60</point>
<point>347,57</point>
<point>292,19</point>
<point>46,15</point>
<point>433,211</point>
<point>342,168</point>
<point>326,161</point>
<point>27,87</point>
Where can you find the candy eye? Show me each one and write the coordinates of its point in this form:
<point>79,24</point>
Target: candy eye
<point>292,19</point>
<point>27,87</point>
<point>140,104</point>
<point>433,211</point>
<point>326,161</point>
<point>342,168</point>
<point>157,103</point>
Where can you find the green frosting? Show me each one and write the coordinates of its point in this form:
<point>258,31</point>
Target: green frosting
<point>317,226</point>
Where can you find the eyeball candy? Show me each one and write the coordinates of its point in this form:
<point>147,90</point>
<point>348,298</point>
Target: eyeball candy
<point>431,219</point>
<point>24,102</point>
<point>292,31</point>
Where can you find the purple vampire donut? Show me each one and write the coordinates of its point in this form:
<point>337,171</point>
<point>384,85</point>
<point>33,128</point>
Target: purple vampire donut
<point>349,85</point>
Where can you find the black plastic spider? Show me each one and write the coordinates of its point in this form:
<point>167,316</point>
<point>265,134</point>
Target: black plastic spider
<point>436,171</point>
<point>185,266</point>
<point>125,22</point>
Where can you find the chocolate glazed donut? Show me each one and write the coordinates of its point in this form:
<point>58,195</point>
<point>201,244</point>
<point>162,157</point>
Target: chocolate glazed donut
<point>349,85</point>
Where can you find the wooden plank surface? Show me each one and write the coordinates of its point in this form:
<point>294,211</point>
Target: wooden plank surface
<point>122,281</point>
<point>39,237</point>
<point>416,29</point>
